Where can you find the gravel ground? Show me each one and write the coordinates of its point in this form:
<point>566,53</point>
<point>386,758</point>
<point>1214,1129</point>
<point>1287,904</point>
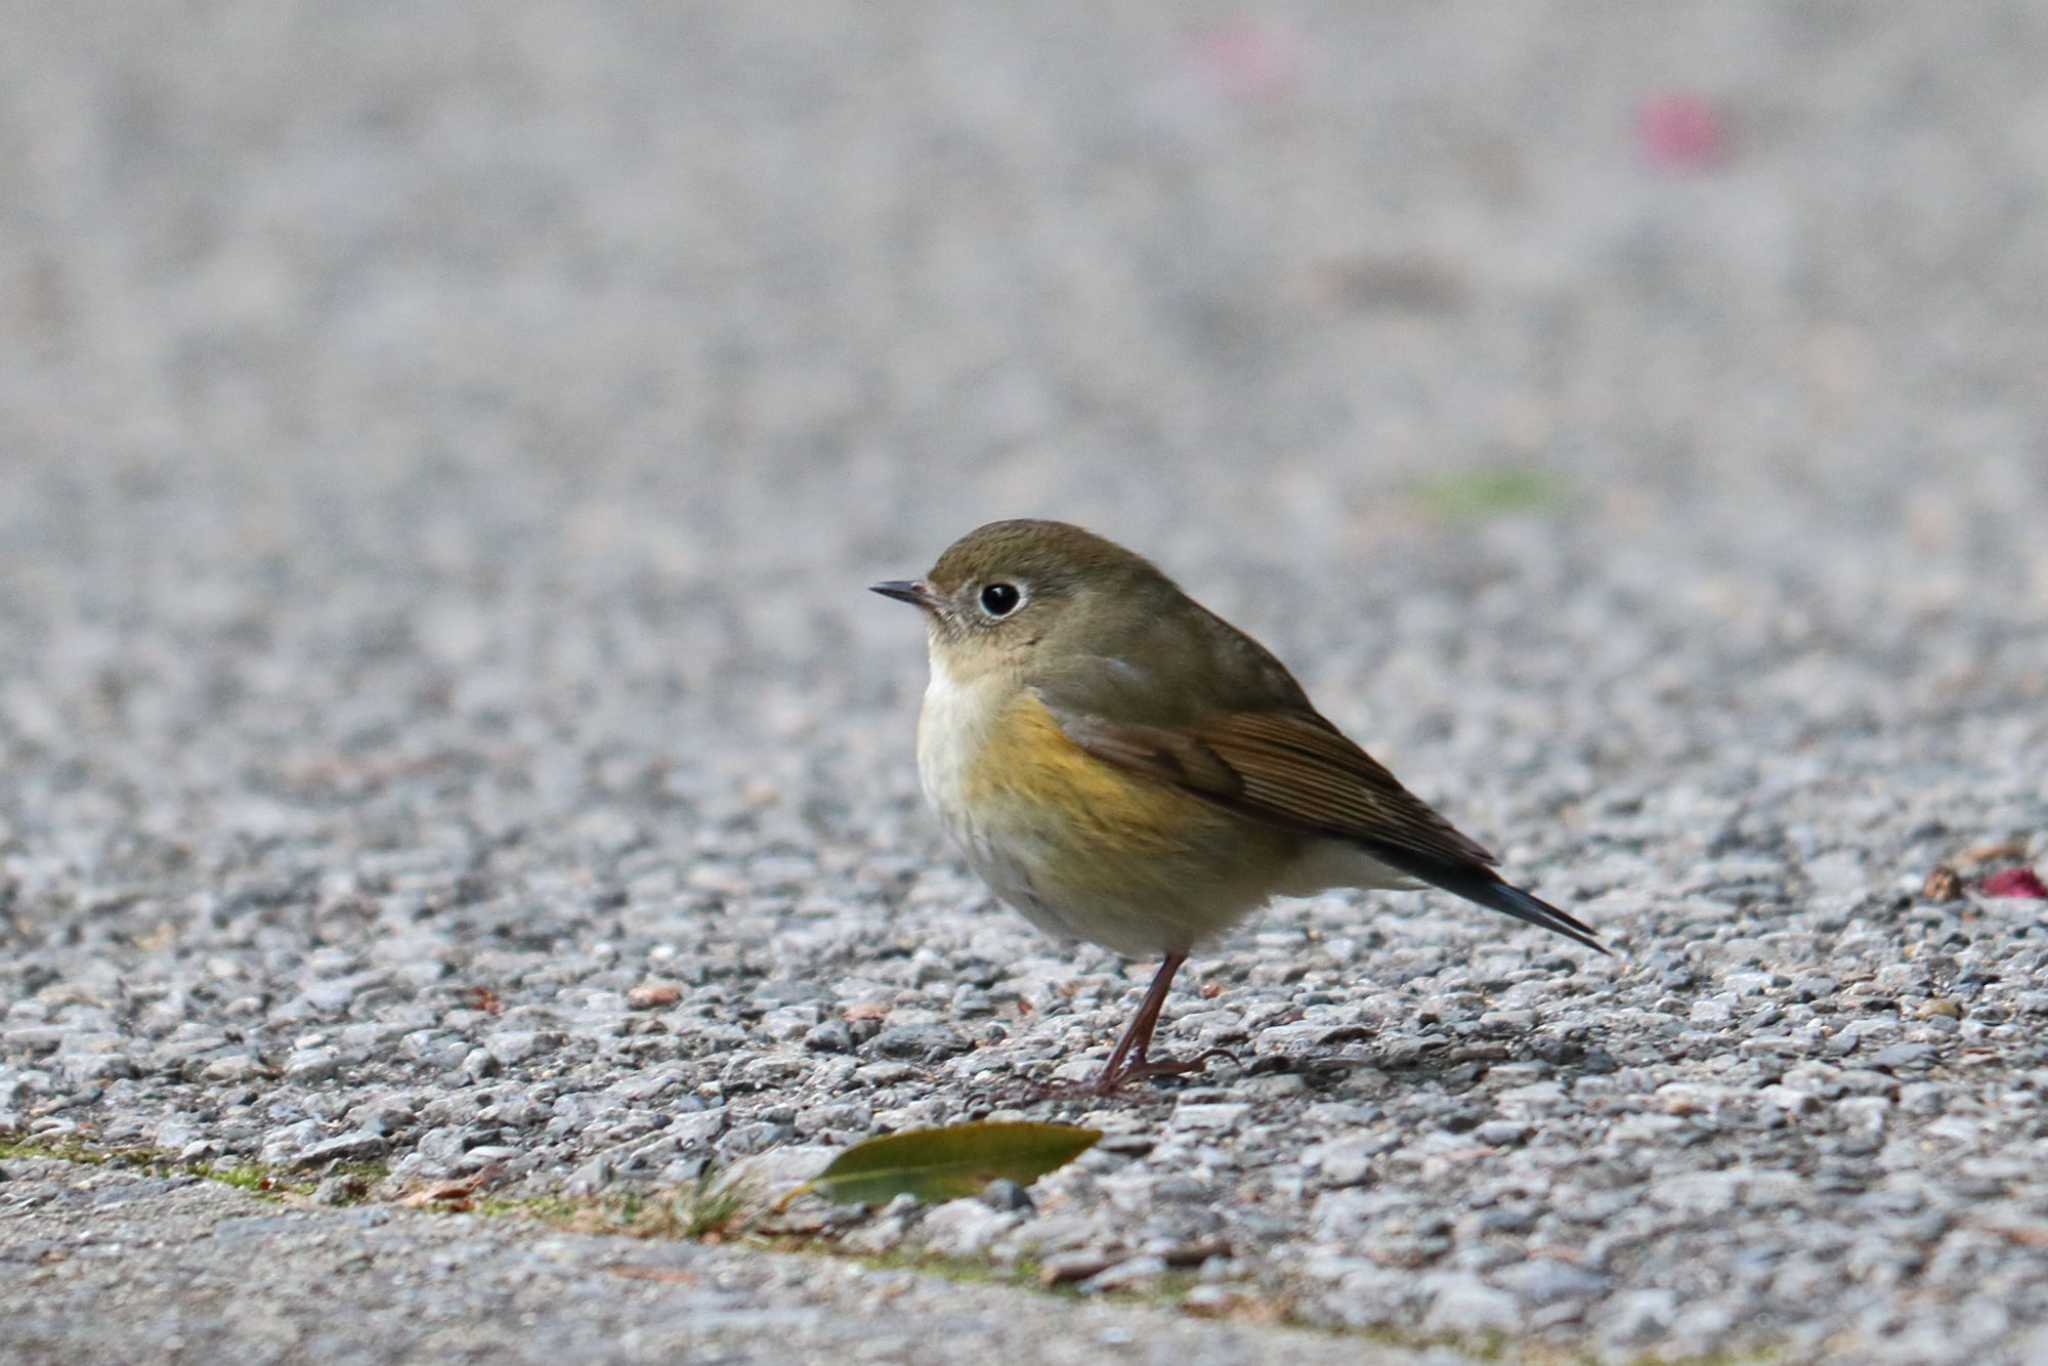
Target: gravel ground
<point>441,725</point>
<point>259,1284</point>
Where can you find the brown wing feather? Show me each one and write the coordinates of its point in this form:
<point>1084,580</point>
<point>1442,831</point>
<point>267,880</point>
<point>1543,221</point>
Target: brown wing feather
<point>1301,769</point>
<point>1171,756</point>
<point>1291,768</point>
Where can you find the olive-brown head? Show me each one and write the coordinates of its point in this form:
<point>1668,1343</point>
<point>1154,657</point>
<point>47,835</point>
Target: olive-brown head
<point>1015,592</point>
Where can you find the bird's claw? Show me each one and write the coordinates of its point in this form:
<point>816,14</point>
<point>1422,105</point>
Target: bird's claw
<point>1108,1083</point>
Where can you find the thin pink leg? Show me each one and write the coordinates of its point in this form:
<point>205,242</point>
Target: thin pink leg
<point>1128,1062</point>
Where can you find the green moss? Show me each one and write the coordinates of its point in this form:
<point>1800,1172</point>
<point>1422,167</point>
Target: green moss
<point>1025,1271</point>
<point>712,1209</point>
<point>247,1176</point>
<point>712,1204</point>
<point>71,1150</point>
<point>53,1152</point>
<point>252,1177</point>
<point>709,1209</point>
<point>1482,494</point>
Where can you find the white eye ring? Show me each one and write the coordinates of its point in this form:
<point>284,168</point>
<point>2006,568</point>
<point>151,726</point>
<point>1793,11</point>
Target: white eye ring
<point>999,599</point>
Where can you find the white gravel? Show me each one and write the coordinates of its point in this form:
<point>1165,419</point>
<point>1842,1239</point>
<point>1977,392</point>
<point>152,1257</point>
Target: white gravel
<point>441,723</point>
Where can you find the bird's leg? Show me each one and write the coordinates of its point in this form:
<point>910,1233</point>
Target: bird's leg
<point>1138,1034</point>
<point>1128,1062</point>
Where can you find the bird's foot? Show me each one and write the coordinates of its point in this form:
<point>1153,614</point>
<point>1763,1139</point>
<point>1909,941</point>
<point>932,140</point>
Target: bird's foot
<point>1108,1083</point>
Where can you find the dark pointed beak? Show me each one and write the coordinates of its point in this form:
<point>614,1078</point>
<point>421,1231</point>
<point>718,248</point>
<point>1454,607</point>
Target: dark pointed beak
<point>903,590</point>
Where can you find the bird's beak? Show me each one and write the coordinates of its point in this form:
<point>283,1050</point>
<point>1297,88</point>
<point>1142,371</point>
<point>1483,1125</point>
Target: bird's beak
<point>903,590</point>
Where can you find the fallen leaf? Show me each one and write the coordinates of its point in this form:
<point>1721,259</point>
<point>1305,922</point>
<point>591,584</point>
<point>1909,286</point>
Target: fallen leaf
<point>449,1195</point>
<point>1942,884</point>
<point>945,1164</point>
<point>1063,1267</point>
<point>1557,1252</point>
<point>1402,1256</point>
<point>670,1275</point>
<point>1194,1254</point>
<point>486,1000</point>
<point>653,995</point>
<point>1681,132</point>
<point>2026,1235</point>
<point>1233,1302</point>
<point>2016,882</point>
<point>1480,495</point>
<point>1249,60</point>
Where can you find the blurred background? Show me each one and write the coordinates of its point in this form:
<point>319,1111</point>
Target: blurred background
<point>443,448</point>
<point>378,367</point>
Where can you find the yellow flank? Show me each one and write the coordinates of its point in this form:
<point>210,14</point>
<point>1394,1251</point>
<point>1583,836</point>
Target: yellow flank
<point>1027,765</point>
<point>1117,858</point>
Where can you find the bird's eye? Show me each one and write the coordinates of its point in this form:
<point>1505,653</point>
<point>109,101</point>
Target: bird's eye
<point>1000,599</point>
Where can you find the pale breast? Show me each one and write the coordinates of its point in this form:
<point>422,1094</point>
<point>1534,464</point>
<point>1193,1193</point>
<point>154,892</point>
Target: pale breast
<point>1082,848</point>
<point>953,732</point>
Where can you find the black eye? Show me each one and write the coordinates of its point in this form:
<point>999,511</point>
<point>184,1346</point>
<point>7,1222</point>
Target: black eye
<point>1000,599</point>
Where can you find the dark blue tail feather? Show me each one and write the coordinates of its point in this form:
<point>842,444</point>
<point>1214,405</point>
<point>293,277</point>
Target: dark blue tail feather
<point>1482,886</point>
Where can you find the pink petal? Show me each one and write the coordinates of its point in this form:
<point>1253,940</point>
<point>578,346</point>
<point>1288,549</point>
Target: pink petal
<point>1681,132</point>
<point>1247,59</point>
<point>2022,882</point>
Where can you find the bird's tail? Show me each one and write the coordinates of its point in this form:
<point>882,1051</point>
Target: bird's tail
<point>1483,887</point>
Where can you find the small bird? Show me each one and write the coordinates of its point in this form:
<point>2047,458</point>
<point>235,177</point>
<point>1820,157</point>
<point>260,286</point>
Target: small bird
<point>1124,766</point>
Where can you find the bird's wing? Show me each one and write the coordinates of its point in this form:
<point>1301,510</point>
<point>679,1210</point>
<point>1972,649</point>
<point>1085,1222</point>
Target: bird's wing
<point>1218,716</point>
<point>1290,768</point>
<point>1295,769</point>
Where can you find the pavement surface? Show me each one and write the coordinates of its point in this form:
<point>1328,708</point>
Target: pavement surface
<point>443,736</point>
<point>200,1273</point>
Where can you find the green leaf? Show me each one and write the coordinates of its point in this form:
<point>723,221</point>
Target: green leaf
<point>1481,494</point>
<point>945,1164</point>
